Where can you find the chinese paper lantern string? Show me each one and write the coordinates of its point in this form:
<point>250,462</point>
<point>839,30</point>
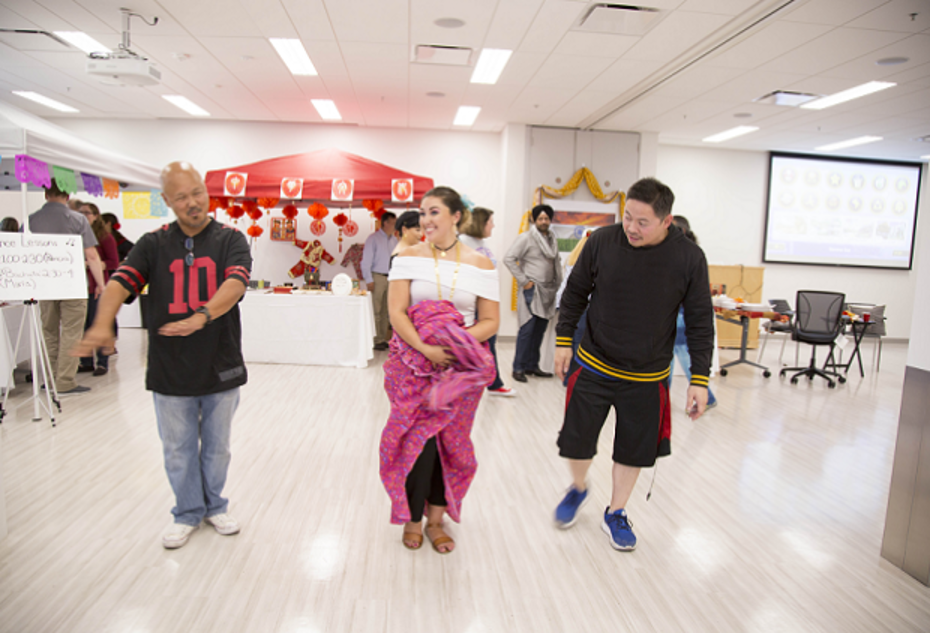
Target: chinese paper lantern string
<point>340,221</point>
<point>235,212</point>
<point>317,211</point>
<point>255,231</point>
<point>376,207</point>
<point>268,203</point>
<point>289,211</point>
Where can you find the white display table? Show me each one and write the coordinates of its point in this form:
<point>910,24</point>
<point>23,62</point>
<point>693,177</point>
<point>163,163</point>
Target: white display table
<point>307,329</point>
<point>10,318</point>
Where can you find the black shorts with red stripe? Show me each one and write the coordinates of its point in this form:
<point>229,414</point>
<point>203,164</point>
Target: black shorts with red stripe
<point>644,418</point>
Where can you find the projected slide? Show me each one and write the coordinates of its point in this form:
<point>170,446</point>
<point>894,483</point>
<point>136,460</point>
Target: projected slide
<point>841,212</point>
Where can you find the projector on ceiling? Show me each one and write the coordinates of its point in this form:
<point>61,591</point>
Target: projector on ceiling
<point>124,71</point>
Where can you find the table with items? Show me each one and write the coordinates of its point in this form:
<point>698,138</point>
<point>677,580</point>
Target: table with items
<point>742,316</point>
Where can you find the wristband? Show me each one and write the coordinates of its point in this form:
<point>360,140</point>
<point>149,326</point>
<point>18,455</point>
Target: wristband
<point>206,313</point>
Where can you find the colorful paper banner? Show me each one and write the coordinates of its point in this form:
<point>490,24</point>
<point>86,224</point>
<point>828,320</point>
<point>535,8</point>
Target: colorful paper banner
<point>92,184</point>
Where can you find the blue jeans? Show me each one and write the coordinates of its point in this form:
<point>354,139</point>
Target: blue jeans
<point>681,351</point>
<point>195,433</point>
<point>529,338</point>
<point>497,384</point>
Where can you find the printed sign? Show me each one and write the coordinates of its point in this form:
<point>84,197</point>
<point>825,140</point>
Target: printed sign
<point>402,190</point>
<point>41,266</point>
<point>234,185</point>
<point>343,188</point>
<point>292,187</point>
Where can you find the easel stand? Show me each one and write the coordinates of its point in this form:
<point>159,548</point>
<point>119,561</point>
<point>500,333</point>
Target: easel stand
<point>40,365</point>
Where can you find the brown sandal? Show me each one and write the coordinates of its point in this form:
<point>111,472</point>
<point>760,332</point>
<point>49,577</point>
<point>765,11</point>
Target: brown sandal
<point>441,540</point>
<point>416,538</point>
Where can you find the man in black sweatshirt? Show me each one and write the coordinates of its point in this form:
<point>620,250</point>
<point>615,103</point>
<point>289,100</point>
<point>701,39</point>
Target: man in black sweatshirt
<point>632,278</point>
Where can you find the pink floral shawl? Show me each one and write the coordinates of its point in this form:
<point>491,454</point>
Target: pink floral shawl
<point>427,400</point>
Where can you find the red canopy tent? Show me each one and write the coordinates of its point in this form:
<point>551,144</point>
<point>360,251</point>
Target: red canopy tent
<point>318,171</point>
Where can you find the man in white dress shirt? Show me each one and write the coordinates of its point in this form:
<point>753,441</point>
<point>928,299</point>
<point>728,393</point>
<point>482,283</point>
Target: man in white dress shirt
<point>376,261</point>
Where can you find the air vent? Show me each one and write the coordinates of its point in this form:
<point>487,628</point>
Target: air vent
<point>621,19</point>
<point>786,98</point>
<point>445,55</point>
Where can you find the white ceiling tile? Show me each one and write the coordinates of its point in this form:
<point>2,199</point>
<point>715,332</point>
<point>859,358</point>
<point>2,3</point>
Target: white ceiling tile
<point>218,18</point>
<point>552,21</point>
<point>832,49</point>
<point>580,107</point>
<point>595,44</point>
<point>521,68</point>
<point>372,21</point>
<point>725,7</point>
<point>675,34</point>
<point>311,20</point>
<point>476,14</point>
<point>696,81</point>
<point>511,21</point>
<point>766,44</point>
<point>832,12</point>
<point>569,73</point>
<point>916,48</point>
<point>896,16</point>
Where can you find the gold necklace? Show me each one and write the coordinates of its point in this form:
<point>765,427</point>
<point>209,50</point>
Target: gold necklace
<point>455,275</point>
<point>442,251</point>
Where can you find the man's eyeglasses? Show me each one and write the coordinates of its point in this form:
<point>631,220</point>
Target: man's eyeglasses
<point>189,258</point>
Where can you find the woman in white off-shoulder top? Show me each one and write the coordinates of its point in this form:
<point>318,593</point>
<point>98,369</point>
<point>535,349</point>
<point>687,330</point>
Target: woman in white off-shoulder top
<point>439,291</point>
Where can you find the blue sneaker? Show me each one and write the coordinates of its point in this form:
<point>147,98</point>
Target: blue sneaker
<point>618,526</point>
<point>566,513</point>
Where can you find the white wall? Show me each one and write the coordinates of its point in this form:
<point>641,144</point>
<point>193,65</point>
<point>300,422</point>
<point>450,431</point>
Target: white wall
<point>723,194</point>
<point>918,352</point>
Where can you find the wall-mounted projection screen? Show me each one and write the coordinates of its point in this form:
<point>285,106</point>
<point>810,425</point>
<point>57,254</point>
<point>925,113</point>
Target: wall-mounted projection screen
<point>841,212</point>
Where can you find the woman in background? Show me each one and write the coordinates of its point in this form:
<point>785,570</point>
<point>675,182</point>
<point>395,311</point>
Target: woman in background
<point>9,225</point>
<point>106,247</point>
<point>443,301</point>
<point>408,232</point>
<point>474,234</point>
<point>123,245</point>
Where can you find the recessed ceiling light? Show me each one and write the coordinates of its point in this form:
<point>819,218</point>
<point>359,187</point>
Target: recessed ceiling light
<point>726,135</point>
<point>294,55</point>
<point>893,61</point>
<point>490,65</point>
<point>848,95</point>
<point>435,93</point>
<point>45,101</point>
<point>862,140</point>
<point>186,105</point>
<point>327,109</point>
<point>81,40</point>
<point>743,115</point>
<point>466,115</point>
<point>449,23</point>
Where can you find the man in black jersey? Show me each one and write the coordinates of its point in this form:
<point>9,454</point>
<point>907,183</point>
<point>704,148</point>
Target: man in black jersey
<point>637,275</point>
<point>197,270</point>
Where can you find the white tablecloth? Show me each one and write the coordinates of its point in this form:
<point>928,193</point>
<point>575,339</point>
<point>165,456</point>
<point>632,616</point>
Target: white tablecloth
<point>307,329</point>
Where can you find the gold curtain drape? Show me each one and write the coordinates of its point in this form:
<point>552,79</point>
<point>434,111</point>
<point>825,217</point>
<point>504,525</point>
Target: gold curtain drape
<point>544,191</point>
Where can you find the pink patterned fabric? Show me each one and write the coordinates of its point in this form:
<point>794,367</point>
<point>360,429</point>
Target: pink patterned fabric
<point>427,400</point>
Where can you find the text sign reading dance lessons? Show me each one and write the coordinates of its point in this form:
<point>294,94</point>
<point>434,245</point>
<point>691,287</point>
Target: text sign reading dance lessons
<point>41,266</point>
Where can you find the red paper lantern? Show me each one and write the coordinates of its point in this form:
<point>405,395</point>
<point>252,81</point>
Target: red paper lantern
<point>341,220</point>
<point>255,231</point>
<point>218,202</point>
<point>290,212</point>
<point>317,211</point>
<point>376,207</point>
<point>268,203</point>
<point>235,212</point>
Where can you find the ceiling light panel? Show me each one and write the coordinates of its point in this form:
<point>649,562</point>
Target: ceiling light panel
<point>490,65</point>
<point>848,95</point>
<point>327,109</point>
<point>186,105</point>
<point>862,140</point>
<point>294,55</point>
<point>446,55</point>
<point>45,101</point>
<point>732,133</point>
<point>466,115</point>
<point>83,41</point>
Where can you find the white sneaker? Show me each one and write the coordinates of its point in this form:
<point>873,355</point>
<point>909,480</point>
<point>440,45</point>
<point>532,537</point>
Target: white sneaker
<point>224,523</point>
<point>177,535</point>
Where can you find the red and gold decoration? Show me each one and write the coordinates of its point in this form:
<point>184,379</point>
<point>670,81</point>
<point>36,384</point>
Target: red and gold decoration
<point>289,211</point>
<point>234,184</point>
<point>292,188</point>
<point>343,189</point>
<point>268,203</point>
<point>283,229</point>
<point>402,190</point>
<point>340,221</point>
<point>317,211</point>
<point>218,202</point>
<point>235,212</point>
<point>351,228</point>
<point>311,258</point>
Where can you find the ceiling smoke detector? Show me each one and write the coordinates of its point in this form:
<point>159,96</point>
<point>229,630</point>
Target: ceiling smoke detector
<point>620,19</point>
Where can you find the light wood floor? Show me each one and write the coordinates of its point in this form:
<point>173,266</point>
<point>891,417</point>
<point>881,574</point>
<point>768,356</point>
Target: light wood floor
<point>768,516</point>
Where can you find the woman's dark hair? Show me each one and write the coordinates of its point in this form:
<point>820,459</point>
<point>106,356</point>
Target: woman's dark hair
<point>682,223</point>
<point>451,199</point>
<point>112,220</point>
<point>9,224</point>
<point>407,220</point>
<point>479,221</point>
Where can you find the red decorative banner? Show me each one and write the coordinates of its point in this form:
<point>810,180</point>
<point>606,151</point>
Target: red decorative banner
<point>343,189</point>
<point>402,190</point>
<point>292,187</point>
<point>234,185</point>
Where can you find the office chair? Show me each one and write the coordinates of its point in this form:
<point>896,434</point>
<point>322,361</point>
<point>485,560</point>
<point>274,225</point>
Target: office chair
<point>817,322</point>
<point>782,307</point>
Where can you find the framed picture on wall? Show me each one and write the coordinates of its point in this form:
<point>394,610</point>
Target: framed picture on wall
<point>283,229</point>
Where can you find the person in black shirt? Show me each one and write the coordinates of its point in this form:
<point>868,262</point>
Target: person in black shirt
<point>197,270</point>
<point>636,274</point>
